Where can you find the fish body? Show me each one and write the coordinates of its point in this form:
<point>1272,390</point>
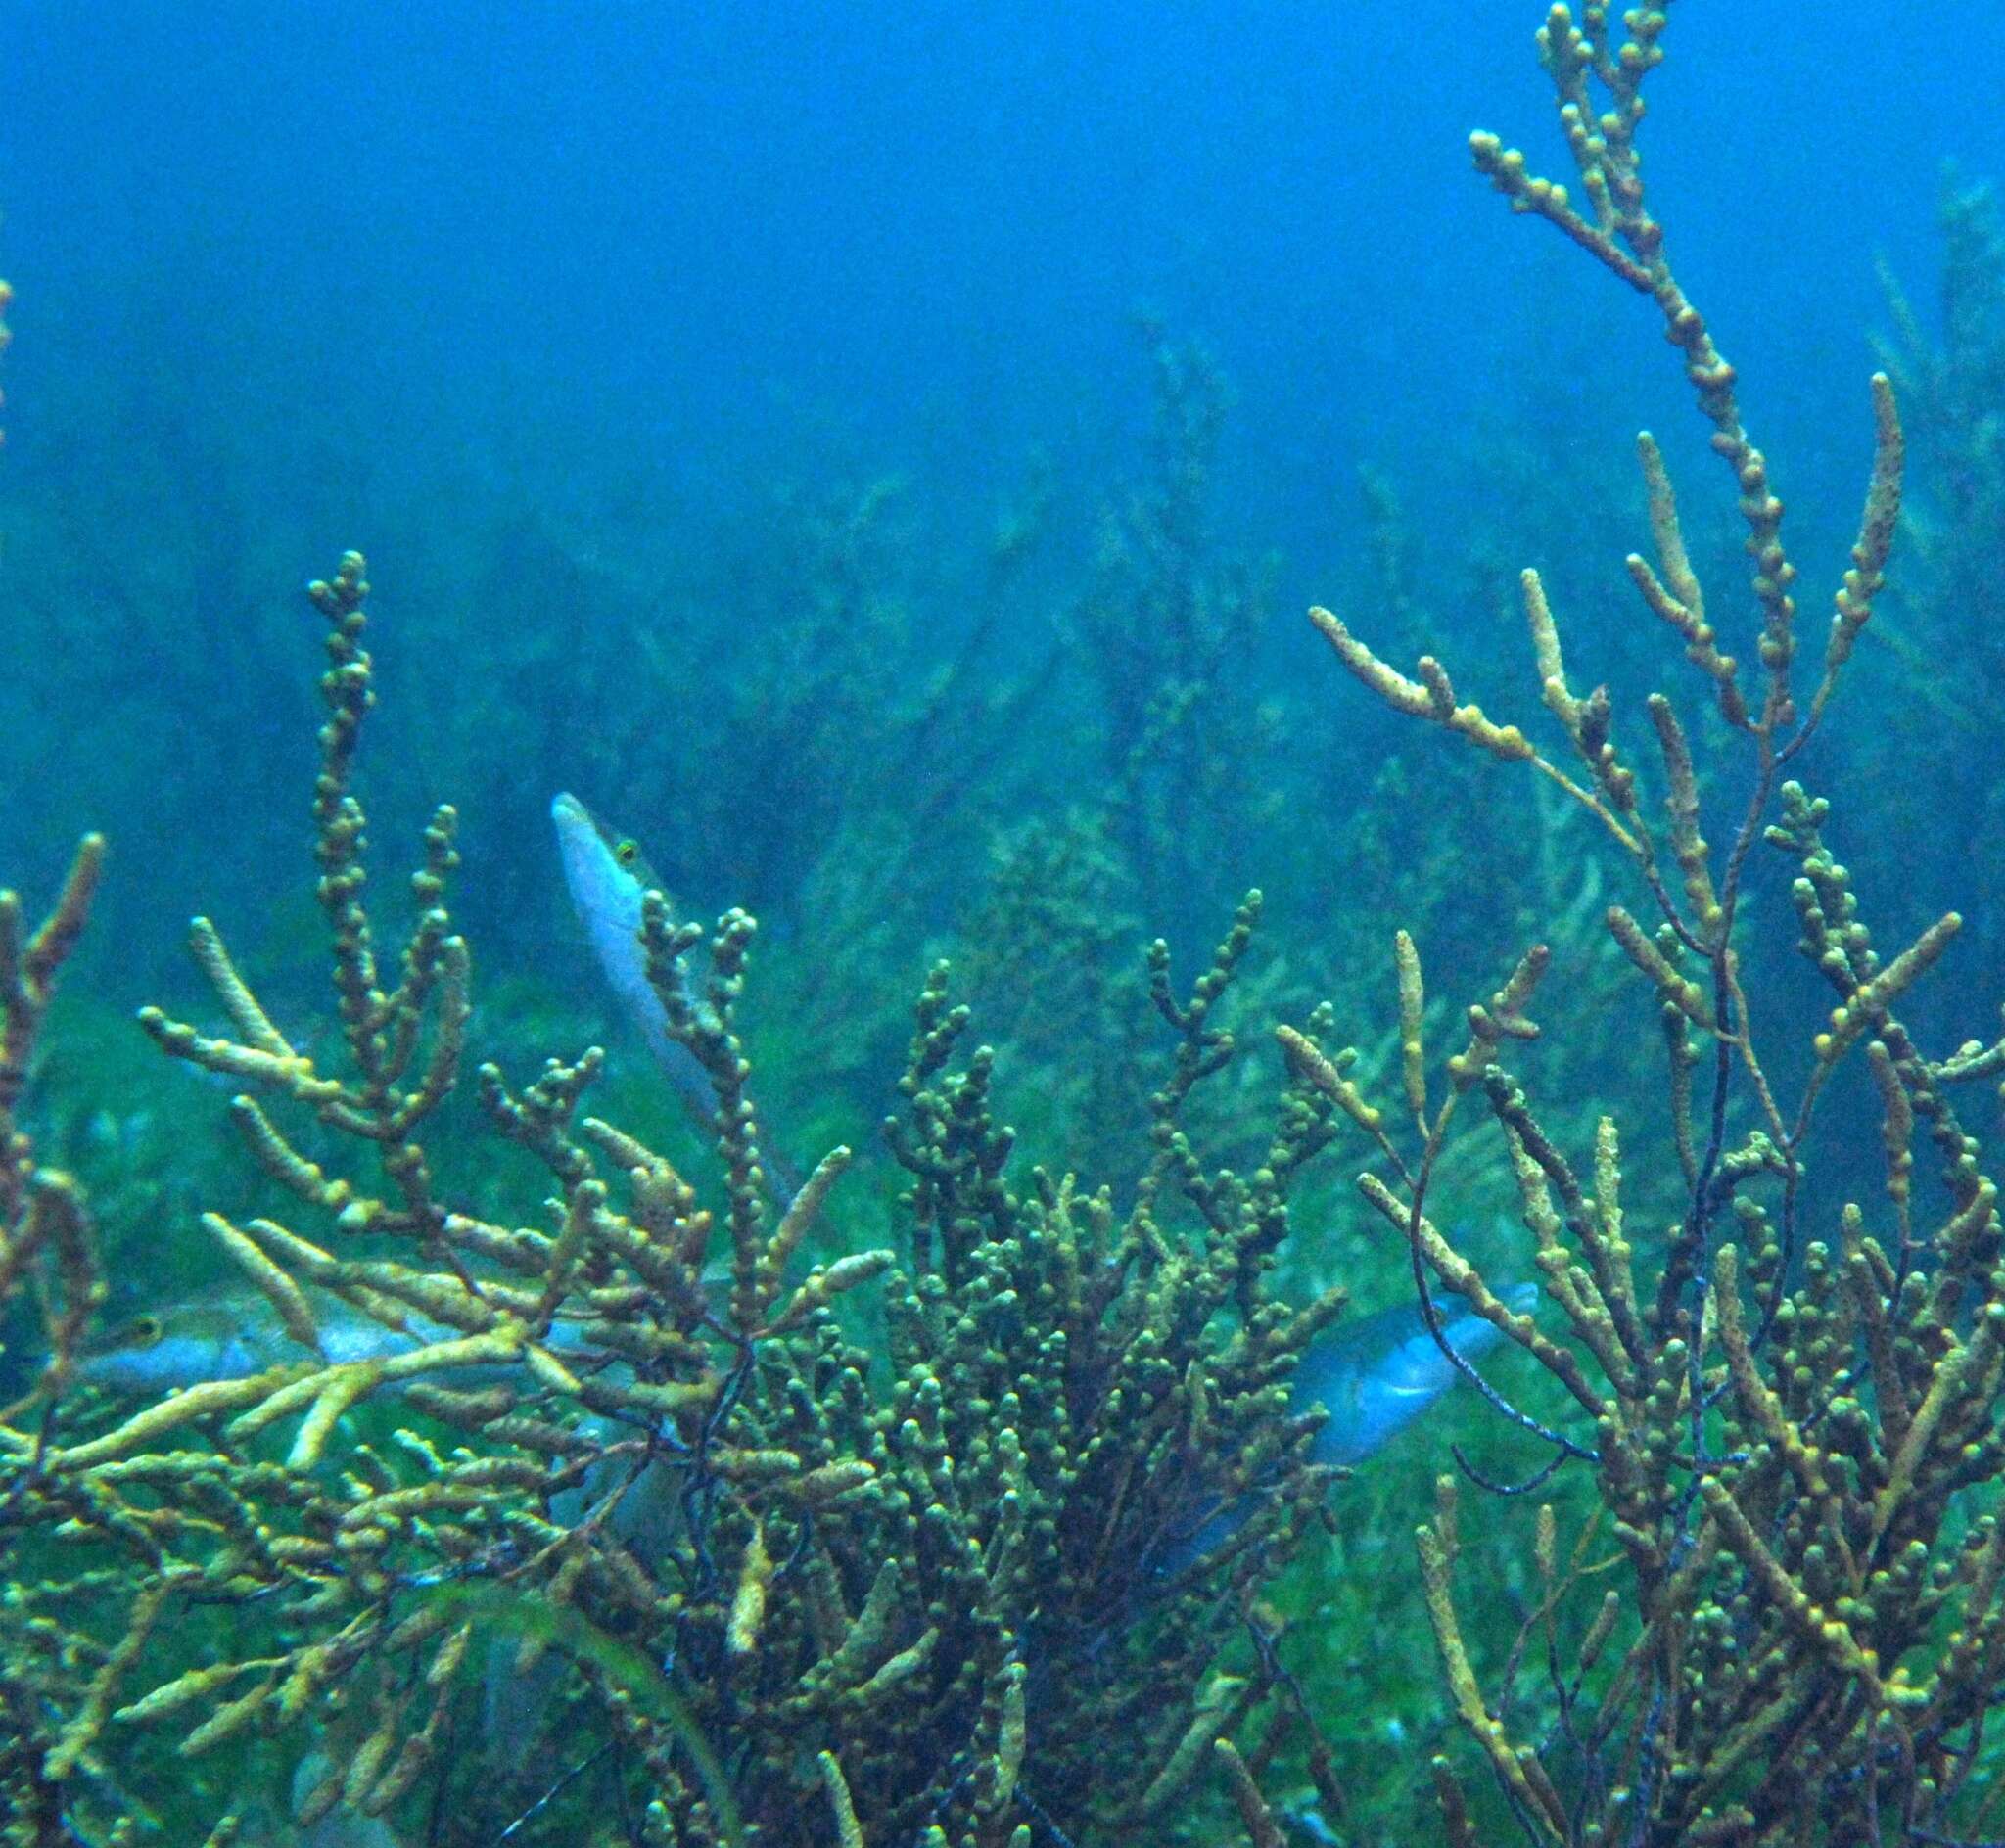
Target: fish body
<point>226,1334</point>
<point>608,879</point>
<point>233,1333</point>
<point>1376,1375</point>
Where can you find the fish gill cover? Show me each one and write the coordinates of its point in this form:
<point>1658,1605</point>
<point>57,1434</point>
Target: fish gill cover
<point>411,1436</point>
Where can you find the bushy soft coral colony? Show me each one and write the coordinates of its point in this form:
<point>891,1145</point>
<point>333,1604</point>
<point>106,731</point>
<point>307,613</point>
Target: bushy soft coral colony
<point>801,1594</point>
<point>1797,1465</point>
<point>944,1595</point>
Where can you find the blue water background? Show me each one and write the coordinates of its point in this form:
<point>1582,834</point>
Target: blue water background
<point>403,257</point>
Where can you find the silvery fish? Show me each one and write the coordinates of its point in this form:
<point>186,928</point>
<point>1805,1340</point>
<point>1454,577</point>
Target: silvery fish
<point>608,877</point>
<point>1378,1374</point>
<point>338,1827</point>
<point>1374,1375</point>
<point>233,1333</point>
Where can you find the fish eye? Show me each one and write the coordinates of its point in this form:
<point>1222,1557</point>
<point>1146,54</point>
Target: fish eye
<point>627,852</point>
<point>142,1331</point>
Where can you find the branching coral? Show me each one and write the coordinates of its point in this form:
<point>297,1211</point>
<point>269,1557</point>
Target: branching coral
<point>45,1239</point>
<point>1794,1452</point>
<point>804,1600</point>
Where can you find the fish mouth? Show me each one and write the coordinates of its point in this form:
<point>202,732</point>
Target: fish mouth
<point>575,821</point>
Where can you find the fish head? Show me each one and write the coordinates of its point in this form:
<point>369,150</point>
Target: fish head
<point>223,1336</point>
<point>1377,1374</point>
<point>606,872</point>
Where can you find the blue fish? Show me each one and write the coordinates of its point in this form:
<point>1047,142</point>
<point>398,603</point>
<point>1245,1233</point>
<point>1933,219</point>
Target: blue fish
<point>1378,1374</point>
<point>1374,1376</point>
<point>608,877</point>
<point>232,1332</point>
